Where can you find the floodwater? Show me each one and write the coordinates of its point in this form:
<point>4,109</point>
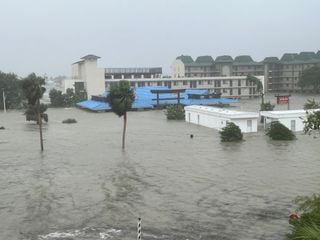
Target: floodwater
<point>83,186</point>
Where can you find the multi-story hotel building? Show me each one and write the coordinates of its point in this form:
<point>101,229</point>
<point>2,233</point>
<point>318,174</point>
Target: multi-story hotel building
<point>280,75</point>
<point>87,75</point>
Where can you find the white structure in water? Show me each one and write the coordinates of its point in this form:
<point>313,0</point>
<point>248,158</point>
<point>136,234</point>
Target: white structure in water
<point>292,119</point>
<point>218,118</point>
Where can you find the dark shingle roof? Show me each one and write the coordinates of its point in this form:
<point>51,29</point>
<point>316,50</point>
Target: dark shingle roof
<point>185,59</point>
<point>304,56</point>
<point>224,58</point>
<point>205,60</point>
<point>244,59</point>
<point>271,60</point>
<point>288,57</point>
<point>90,57</point>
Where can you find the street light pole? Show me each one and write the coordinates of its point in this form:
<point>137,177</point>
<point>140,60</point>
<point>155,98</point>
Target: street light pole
<point>4,101</point>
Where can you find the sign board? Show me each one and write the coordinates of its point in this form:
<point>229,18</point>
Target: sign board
<point>282,99</point>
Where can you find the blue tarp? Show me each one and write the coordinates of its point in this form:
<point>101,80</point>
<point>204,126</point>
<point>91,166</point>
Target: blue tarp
<point>143,99</point>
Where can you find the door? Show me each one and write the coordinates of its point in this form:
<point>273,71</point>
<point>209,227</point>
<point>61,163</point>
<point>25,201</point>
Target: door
<point>249,125</point>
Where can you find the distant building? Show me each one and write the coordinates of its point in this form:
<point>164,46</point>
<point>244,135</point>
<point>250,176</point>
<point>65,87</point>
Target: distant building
<point>86,75</point>
<point>280,75</point>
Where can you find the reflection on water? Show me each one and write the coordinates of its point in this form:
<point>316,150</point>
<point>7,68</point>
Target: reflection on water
<point>85,187</point>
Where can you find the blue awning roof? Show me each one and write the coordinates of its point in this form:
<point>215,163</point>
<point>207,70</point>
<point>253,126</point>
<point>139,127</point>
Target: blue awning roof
<point>144,99</point>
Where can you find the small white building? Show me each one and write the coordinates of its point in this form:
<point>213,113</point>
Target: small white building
<point>218,118</point>
<point>292,119</point>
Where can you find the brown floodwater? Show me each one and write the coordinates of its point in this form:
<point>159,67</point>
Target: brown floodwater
<point>83,186</point>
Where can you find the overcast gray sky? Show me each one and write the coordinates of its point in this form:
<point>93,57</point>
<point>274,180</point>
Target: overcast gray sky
<point>46,36</point>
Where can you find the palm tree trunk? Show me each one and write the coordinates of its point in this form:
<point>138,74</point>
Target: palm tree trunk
<point>124,130</point>
<point>40,126</point>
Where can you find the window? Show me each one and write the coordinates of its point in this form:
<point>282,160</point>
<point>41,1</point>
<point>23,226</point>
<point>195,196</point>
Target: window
<point>185,83</point>
<point>231,92</point>
<point>209,82</point>
<point>239,83</point>
<point>200,82</point>
<point>230,83</point>
<point>239,91</point>
<point>159,83</point>
<point>175,83</point>
<point>224,82</point>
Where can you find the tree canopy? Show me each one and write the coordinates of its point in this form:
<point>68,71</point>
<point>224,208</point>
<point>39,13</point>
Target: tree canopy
<point>312,123</point>
<point>278,131</point>
<point>310,78</point>
<point>311,104</point>
<point>256,81</point>
<point>120,97</point>
<point>175,112</point>
<point>231,133</point>
<point>11,85</point>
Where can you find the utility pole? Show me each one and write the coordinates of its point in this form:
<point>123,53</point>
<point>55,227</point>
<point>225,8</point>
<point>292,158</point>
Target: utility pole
<point>4,101</point>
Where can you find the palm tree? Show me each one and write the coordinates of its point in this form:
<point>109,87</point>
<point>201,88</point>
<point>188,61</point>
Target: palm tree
<point>120,98</point>
<point>32,87</point>
<point>259,86</point>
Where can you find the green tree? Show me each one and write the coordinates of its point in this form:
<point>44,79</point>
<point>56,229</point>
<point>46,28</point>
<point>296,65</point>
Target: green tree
<point>311,104</point>
<point>175,112</point>
<point>33,90</point>
<point>278,131</point>
<point>312,123</point>
<point>259,86</point>
<point>120,98</point>
<point>267,107</point>
<point>10,85</point>
<point>56,98</point>
<point>310,78</point>
<point>231,133</point>
<point>307,226</point>
<point>69,98</point>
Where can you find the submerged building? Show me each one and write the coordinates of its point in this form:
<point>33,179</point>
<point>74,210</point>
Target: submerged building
<point>280,74</point>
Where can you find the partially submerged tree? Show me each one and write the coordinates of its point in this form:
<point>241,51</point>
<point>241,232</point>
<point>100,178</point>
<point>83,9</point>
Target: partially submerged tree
<point>33,90</point>
<point>312,123</point>
<point>175,112</point>
<point>311,104</point>
<point>278,131</point>
<point>306,226</point>
<point>121,98</point>
<point>231,133</point>
<point>310,78</point>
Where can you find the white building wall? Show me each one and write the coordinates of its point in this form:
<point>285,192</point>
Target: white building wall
<point>177,68</point>
<point>94,78</point>
<point>287,122</point>
<point>219,122</point>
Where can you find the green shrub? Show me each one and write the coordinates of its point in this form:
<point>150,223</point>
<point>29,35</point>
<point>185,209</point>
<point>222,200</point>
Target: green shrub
<point>231,133</point>
<point>69,120</point>
<point>266,106</point>
<point>308,225</point>
<point>278,131</point>
<point>175,112</point>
